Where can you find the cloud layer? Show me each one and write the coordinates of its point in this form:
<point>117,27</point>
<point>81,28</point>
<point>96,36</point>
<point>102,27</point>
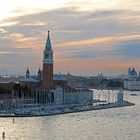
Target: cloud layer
<point>97,40</point>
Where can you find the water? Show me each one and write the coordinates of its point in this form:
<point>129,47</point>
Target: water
<point>109,124</point>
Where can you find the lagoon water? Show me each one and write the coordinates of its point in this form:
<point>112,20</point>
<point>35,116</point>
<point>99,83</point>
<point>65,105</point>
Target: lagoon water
<point>109,124</point>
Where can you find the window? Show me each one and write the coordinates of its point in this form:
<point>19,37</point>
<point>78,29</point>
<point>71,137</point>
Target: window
<point>46,55</point>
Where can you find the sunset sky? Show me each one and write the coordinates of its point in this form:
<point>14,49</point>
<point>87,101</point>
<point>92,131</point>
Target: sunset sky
<point>88,36</point>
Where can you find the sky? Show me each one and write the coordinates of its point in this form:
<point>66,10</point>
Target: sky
<point>88,36</point>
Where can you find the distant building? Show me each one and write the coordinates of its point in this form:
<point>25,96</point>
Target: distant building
<point>100,77</point>
<point>132,85</point>
<point>132,74</point>
<point>133,80</point>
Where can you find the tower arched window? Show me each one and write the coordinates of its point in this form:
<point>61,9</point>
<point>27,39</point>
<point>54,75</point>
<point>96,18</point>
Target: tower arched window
<point>47,55</point>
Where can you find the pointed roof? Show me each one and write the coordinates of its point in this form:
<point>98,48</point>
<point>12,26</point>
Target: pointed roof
<point>48,45</point>
<point>133,69</point>
<point>29,80</point>
<point>39,71</point>
<point>27,71</point>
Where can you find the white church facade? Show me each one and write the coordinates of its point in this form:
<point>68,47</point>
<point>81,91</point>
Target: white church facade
<point>133,80</point>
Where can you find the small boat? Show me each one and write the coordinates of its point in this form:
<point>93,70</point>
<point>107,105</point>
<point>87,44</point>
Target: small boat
<point>22,112</point>
<point>133,94</point>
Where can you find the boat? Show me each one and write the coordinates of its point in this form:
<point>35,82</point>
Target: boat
<point>27,112</point>
<point>133,94</point>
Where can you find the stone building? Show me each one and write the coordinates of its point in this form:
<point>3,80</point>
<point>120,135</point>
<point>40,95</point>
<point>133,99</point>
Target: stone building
<point>46,88</point>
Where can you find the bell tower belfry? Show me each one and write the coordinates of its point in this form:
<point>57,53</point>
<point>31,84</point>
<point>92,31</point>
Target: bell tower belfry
<point>48,64</point>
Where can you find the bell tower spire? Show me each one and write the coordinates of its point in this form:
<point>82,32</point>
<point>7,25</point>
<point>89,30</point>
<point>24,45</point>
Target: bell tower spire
<point>48,42</point>
<point>48,64</point>
<point>48,52</point>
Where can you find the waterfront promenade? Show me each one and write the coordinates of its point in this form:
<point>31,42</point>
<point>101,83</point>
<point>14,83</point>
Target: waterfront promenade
<point>58,110</point>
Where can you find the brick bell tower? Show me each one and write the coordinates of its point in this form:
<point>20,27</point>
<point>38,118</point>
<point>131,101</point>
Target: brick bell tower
<point>48,64</point>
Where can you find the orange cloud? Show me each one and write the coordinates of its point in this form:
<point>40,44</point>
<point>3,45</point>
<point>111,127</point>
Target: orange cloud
<point>100,40</point>
<point>21,41</point>
<point>89,67</point>
<point>5,52</point>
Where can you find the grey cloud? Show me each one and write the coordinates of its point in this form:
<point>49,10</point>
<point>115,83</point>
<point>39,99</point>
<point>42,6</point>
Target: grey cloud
<point>129,49</point>
<point>68,24</point>
<point>82,54</point>
<point>89,23</point>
